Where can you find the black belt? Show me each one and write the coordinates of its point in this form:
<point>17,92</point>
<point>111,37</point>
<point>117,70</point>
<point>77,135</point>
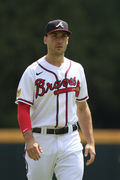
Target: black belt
<point>63,130</point>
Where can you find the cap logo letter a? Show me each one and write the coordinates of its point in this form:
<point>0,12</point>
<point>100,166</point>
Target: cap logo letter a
<point>60,24</point>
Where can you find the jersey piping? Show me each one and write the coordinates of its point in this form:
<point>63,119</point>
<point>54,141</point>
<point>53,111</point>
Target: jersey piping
<point>82,98</point>
<point>23,100</point>
<point>67,95</point>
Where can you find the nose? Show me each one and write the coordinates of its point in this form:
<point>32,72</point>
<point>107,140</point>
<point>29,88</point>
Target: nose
<point>59,39</point>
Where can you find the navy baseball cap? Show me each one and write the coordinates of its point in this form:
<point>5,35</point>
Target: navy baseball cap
<point>57,25</point>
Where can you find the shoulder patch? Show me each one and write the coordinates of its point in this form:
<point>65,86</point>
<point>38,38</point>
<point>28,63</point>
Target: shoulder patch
<point>18,92</point>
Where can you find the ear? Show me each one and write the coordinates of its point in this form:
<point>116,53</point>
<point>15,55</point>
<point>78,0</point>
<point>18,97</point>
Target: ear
<point>67,40</point>
<point>45,40</point>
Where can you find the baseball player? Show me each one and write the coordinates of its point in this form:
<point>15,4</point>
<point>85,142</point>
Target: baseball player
<point>52,106</point>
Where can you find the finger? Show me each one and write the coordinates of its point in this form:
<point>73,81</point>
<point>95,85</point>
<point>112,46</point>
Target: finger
<point>31,155</point>
<point>86,152</point>
<point>34,154</point>
<point>40,149</point>
<point>37,150</point>
<point>37,154</point>
<point>91,160</point>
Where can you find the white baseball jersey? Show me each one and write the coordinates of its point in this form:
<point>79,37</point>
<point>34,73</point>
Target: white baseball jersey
<point>52,92</point>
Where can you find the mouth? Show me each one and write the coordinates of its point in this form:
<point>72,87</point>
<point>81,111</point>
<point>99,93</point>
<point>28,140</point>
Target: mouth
<point>59,46</point>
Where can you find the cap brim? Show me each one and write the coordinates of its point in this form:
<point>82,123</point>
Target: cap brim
<point>69,32</point>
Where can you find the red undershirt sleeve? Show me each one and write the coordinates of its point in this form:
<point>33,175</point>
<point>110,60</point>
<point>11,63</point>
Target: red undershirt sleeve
<point>23,115</point>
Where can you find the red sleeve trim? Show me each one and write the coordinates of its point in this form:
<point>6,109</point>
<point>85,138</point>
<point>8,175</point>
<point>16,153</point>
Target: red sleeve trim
<point>85,98</point>
<point>24,101</point>
<point>23,115</point>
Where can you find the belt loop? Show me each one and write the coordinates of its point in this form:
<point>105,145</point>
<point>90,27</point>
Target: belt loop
<point>70,128</point>
<point>43,130</point>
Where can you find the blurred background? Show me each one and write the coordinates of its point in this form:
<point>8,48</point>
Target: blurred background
<point>95,43</point>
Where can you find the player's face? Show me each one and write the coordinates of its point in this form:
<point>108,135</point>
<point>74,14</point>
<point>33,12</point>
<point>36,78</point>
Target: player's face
<point>56,42</point>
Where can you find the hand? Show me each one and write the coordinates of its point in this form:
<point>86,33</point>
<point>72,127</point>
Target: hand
<point>33,150</point>
<point>32,147</point>
<point>90,149</point>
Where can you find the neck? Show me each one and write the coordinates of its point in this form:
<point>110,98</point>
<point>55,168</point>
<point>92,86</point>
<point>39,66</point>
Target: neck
<point>56,61</point>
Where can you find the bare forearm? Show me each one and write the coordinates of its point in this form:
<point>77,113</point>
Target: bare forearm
<point>86,127</point>
<point>85,122</point>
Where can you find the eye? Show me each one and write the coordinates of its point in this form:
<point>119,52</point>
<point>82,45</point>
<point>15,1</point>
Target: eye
<point>64,35</point>
<point>54,34</point>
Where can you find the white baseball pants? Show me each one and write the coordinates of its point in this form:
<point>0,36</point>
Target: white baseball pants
<point>62,155</point>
